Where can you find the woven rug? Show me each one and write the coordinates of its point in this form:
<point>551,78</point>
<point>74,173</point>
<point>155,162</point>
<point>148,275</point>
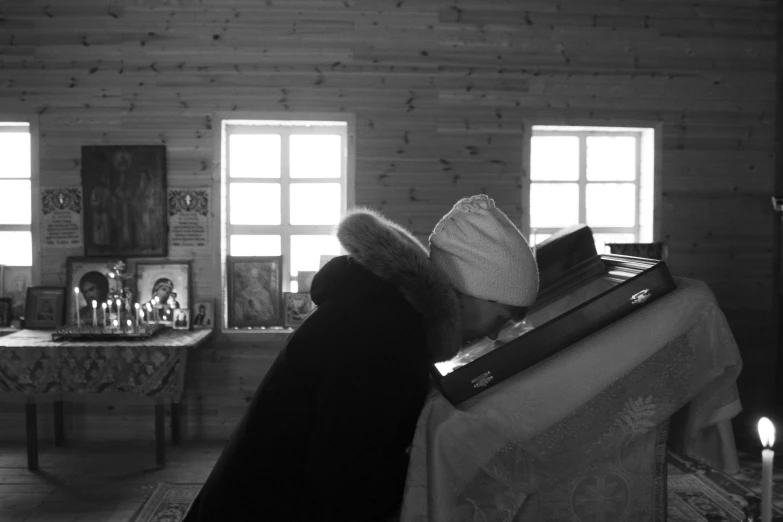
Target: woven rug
<point>695,493</point>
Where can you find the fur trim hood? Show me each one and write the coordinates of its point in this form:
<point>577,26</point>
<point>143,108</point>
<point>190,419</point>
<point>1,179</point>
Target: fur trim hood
<point>395,255</point>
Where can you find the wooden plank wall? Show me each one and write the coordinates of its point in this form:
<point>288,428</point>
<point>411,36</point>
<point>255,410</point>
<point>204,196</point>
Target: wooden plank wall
<point>440,89</point>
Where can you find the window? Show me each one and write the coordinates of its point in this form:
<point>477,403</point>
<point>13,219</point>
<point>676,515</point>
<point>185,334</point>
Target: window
<point>285,186</point>
<point>15,194</point>
<point>600,176</point>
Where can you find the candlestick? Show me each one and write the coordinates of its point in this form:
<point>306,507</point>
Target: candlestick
<point>94,313</point>
<point>76,305</point>
<point>103,305</point>
<point>767,435</point>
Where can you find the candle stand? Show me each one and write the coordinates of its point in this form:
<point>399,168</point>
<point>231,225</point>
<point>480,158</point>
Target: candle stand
<point>122,321</point>
<point>96,333</point>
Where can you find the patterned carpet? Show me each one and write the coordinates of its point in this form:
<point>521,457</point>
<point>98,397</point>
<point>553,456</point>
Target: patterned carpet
<point>698,492</point>
<point>695,493</point>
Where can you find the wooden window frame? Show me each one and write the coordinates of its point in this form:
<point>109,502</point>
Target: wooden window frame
<point>648,142</point>
<point>285,124</point>
<point>12,123</point>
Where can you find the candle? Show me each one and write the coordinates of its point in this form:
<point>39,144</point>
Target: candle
<point>103,305</point>
<point>141,312</point>
<point>94,313</point>
<point>76,304</point>
<point>767,435</point>
<point>118,308</point>
<point>137,315</point>
<point>157,309</point>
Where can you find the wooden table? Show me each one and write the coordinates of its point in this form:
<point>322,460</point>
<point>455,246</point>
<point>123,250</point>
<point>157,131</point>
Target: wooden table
<point>31,364</point>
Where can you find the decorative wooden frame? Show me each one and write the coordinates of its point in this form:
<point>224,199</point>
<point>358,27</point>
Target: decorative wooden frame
<point>297,307</point>
<point>152,275</point>
<point>77,268</point>
<point>37,298</point>
<point>263,299</point>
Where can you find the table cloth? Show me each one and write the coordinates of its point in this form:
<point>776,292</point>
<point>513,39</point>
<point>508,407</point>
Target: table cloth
<point>31,364</point>
<point>582,434</point>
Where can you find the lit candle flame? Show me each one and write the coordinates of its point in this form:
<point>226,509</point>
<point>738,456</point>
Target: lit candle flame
<point>115,322</point>
<point>129,323</point>
<point>142,314</point>
<point>94,303</point>
<point>103,305</point>
<point>766,432</point>
<point>118,303</point>
<point>75,289</point>
<point>136,305</point>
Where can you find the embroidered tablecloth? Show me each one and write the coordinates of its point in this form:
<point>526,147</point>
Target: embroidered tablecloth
<point>583,423</point>
<point>32,364</point>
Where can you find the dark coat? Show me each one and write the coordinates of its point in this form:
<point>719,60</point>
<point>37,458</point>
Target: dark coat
<point>326,434</point>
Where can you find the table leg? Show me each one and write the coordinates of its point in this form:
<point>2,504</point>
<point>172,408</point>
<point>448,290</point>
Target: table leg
<point>160,434</point>
<point>175,424</point>
<point>59,429</point>
<point>31,415</point>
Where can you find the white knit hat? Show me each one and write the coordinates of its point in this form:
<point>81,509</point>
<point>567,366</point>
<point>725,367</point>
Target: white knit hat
<point>483,254</point>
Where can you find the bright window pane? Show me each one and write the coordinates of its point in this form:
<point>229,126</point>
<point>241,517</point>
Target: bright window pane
<point>246,245</point>
<point>602,239</point>
<point>611,204</point>
<point>611,158</point>
<point>315,203</point>
<point>254,155</point>
<point>15,151</point>
<point>314,156</point>
<point>306,252</point>
<point>554,204</point>
<point>17,248</point>
<point>254,203</point>
<point>15,202</point>
<point>554,158</point>
<point>538,238</point>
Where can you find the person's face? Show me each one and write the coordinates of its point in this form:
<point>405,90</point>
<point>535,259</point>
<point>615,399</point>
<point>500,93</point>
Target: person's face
<point>201,309</point>
<point>91,291</point>
<point>482,318</point>
<point>162,293</point>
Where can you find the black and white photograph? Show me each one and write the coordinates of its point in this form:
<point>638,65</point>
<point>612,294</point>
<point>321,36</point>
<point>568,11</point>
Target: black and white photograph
<point>91,277</point>
<point>166,284</point>
<point>410,261</point>
<point>124,191</point>
<point>255,291</point>
<point>181,319</point>
<point>203,315</point>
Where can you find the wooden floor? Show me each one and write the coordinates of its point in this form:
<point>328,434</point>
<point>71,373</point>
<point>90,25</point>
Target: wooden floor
<point>95,482</point>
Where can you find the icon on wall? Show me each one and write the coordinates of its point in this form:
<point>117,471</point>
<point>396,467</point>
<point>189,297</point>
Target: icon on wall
<point>124,191</point>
